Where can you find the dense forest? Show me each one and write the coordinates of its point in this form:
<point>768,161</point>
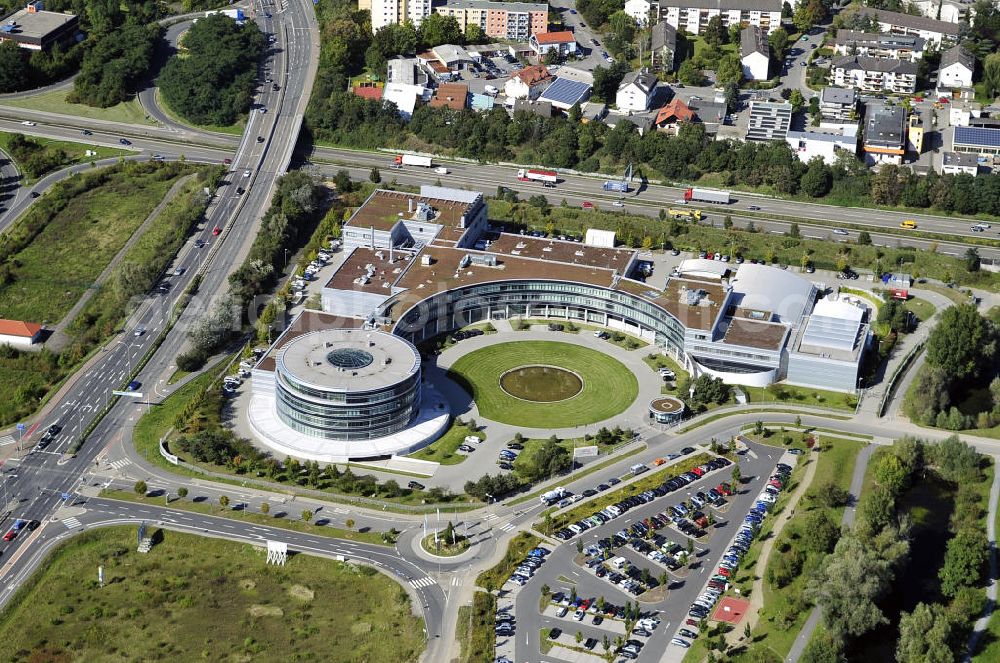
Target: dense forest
<point>213,82</point>
<point>113,58</point>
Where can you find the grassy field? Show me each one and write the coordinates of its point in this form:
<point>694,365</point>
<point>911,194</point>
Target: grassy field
<point>194,598</point>
<point>989,648</point>
<point>475,629</point>
<point>921,308</point>
<point>62,261</point>
<point>608,387</point>
<point>75,152</point>
<point>444,450</point>
<point>154,425</point>
<point>796,395</point>
<point>128,112</point>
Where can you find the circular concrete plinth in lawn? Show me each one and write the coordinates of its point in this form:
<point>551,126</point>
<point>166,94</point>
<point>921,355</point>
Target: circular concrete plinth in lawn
<point>607,387</point>
<point>541,384</point>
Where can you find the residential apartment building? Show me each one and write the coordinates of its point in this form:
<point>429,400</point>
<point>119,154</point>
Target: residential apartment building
<point>949,11</point>
<point>694,15</point>
<point>838,103</point>
<point>915,133</point>
<point>933,31</point>
<point>957,67</point>
<point>636,91</point>
<point>662,47</point>
<point>755,53</point>
<point>885,135</point>
<point>879,45</point>
<point>563,43</point>
<point>874,74</point>
<point>387,12</point>
<point>500,20</point>
<point>640,10</point>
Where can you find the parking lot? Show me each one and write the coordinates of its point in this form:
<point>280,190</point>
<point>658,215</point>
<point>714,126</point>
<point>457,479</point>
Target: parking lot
<point>648,545</point>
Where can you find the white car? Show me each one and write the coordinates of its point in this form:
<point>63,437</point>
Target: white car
<point>28,123</point>
<point>618,203</point>
<point>840,231</point>
<point>246,173</point>
<point>441,170</point>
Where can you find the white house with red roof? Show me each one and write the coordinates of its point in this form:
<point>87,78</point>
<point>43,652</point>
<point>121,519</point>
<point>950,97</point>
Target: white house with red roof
<point>563,42</point>
<point>19,333</point>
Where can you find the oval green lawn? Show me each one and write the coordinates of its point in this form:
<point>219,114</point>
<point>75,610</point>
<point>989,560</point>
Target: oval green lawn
<point>608,386</point>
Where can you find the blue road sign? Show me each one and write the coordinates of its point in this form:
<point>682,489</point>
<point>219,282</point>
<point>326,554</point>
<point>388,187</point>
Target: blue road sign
<point>21,427</point>
<point>66,496</point>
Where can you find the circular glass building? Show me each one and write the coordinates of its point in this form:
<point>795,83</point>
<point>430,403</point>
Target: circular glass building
<point>347,384</point>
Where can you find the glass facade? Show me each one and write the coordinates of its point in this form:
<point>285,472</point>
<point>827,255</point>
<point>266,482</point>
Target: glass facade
<point>452,309</point>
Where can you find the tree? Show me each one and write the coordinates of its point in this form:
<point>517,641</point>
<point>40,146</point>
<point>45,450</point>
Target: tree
<point>224,500</point>
<point>964,558</point>
<point>714,34</point>
<point>140,487</point>
<point>817,179</point>
<point>820,533</point>
<point>991,74</point>
<point>374,175</point>
<point>115,63</point>
<point>214,82</point>
<point>971,260</point>
<point>793,231</point>
<point>962,343</point>
<point>891,474</point>
<point>848,586</point>
<point>438,29</point>
<point>265,508</point>
<point>778,41</point>
<point>824,648</point>
<point>13,67</point>
<point>688,73</point>
<point>729,69</point>
<point>307,515</point>
<point>877,511</point>
<point>731,91</point>
<point>955,460</point>
<point>925,635</point>
<point>349,523</point>
<point>829,495</point>
<point>474,34</point>
<point>808,14</point>
<point>607,80</point>
<point>797,100</point>
<point>864,239</point>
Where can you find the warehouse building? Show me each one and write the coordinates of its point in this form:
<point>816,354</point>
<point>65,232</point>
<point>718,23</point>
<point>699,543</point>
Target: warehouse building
<point>35,29</point>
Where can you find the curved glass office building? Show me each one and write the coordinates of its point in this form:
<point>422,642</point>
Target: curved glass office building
<point>347,384</point>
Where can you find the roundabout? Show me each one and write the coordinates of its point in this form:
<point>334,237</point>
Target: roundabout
<point>545,384</point>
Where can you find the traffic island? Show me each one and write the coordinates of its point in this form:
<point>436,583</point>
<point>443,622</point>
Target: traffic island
<point>446,543</point>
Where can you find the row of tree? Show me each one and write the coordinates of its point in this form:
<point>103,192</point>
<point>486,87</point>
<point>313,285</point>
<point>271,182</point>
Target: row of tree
<point>214,81</point>
<point>961,361</point>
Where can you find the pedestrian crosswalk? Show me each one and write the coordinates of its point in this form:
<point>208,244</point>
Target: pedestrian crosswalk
<point>456,581</point>
<point>71,523</point>
<point>7,439</point>
<point>120,464</point>
<point>506,528</point>
<point>426,581</point>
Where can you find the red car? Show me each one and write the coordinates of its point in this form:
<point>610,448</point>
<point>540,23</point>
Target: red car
<point>227,161</point>
<point>216,230</point>
<point>943,100</point>
<point>9,536</point>
<point>587,205</point>
<point>918,99</point>
<point>697,470</point>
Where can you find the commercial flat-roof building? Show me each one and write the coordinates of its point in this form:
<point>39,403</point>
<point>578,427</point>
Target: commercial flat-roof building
<point>34,29</point>
<point>769,120</point>
<point>885,134</point>
<point>955,163</point>
<point>983,141</point>
<point>826,142</point>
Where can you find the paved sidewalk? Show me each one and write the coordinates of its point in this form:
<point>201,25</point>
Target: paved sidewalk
<point>857,483</point>
<point>991,591</point>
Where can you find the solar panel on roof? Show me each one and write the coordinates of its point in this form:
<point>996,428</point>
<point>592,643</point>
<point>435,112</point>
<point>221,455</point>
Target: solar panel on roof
<point>977,136</point>
<point>565,91</point>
